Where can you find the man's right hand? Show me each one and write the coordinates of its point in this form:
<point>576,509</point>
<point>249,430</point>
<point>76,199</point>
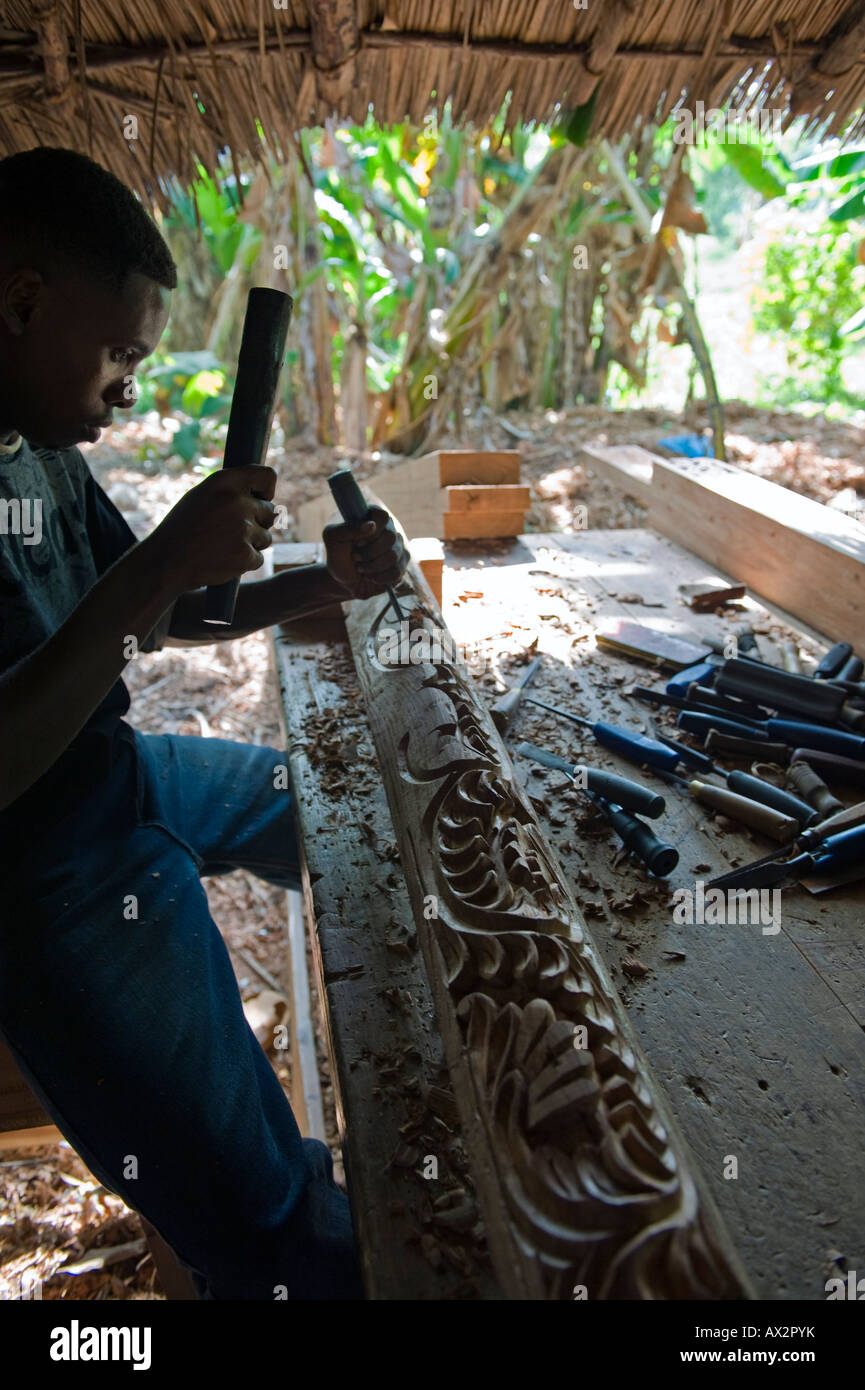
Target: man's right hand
<point>217,531</point>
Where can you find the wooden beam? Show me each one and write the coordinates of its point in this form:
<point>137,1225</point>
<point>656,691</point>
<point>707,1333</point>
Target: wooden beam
<point>581,1173</point>
<point>625,465</point>
<point>807,558</point>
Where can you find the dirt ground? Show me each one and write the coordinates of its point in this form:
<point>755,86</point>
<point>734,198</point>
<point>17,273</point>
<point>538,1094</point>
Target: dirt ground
<point>53,1213</point>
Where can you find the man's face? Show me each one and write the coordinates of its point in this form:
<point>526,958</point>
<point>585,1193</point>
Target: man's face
<point>71,359</point>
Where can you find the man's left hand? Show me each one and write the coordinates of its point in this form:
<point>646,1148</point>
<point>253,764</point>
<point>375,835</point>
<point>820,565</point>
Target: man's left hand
<point>366,557</point>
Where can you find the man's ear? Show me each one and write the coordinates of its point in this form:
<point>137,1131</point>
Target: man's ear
<point>20,291</point>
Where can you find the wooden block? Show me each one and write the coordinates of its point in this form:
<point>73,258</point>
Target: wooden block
<point>474,525</point>
<point>494,466</point>
<point>711,593</point>
<point>504,497</point>
<point>414,491</point>
<point>797,553</point>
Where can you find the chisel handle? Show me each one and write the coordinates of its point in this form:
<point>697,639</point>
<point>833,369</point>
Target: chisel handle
<point>830,664</point>
<point>630,795</point>
<point>851,670</point>
<point>660,859</point>
<point>636,748</point>
<point>847,771</point>
<point>813,788</point>
<point>773,823</point>
<point>347,495</point>
<point>265,328</point>
<point>838,852</point>
<point>729,746</point>
<point>701,724</point>
<point>815,736</point>
<point>768,795</point>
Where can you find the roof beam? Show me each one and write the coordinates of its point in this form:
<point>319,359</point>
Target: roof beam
<point>335,42</point>
<point>52,46</point>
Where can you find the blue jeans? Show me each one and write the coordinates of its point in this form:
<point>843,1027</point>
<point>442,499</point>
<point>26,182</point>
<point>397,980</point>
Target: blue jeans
<point>120,1005</point>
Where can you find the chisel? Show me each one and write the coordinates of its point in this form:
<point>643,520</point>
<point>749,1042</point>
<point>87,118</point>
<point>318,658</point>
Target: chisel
<point>786,730</point>
<point>847,771</point>
<point>746,785</point>
<point>803,777</point>
<point>755,814</point>
<point>830,664</point>
<point>629,795</point>
<point>847,819</point>
<point>845,850</point>
<point>502,712</point>
<point>353,506</point>
<point>637,748</point>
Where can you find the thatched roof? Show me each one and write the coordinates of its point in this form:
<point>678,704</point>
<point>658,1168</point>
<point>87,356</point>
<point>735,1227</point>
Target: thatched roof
<point>199,75</point>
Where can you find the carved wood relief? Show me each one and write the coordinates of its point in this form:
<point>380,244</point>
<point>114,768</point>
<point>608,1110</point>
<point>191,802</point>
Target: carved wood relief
<point>582,1175</point>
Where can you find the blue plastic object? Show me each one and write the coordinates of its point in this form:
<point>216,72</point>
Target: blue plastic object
<point>692,446</point>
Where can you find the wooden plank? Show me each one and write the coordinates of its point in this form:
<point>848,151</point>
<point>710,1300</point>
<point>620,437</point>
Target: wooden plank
<point>581,1173</point>
<point>505,497</point>
<point>387,1061</point>
<point>305,1082</point>
<point>757,1039</point>
<point>474,525</point>
<point>803,556</point>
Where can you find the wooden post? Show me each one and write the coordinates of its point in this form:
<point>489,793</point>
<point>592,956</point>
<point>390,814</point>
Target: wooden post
<point>586,1186</point>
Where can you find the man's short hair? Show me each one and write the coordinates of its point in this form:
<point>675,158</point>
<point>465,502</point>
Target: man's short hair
<point>61,212</point>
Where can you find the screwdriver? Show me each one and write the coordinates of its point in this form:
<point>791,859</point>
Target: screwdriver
<point>637,748</point>
<point>353,506</point>
<point>629,795</point>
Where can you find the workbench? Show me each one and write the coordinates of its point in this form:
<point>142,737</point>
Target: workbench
<point>755,1038</point>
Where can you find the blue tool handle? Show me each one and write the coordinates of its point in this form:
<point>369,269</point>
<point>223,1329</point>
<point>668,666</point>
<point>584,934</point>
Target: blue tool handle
<point>702,673</point>
<point>637,748</point>
<point>840,851</point>
<point>824,739</point>
<point>347,495</point>
<point>701,724</point>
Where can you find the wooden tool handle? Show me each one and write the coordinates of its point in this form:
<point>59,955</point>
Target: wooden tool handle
<point>773,823</point>
<point>813,788</point>
<point>265,328</point>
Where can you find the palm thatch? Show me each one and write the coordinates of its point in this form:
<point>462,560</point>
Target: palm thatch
<point>150,87</point>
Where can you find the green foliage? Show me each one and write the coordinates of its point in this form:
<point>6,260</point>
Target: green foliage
<point>194,385</point>
<point>813,285</point>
